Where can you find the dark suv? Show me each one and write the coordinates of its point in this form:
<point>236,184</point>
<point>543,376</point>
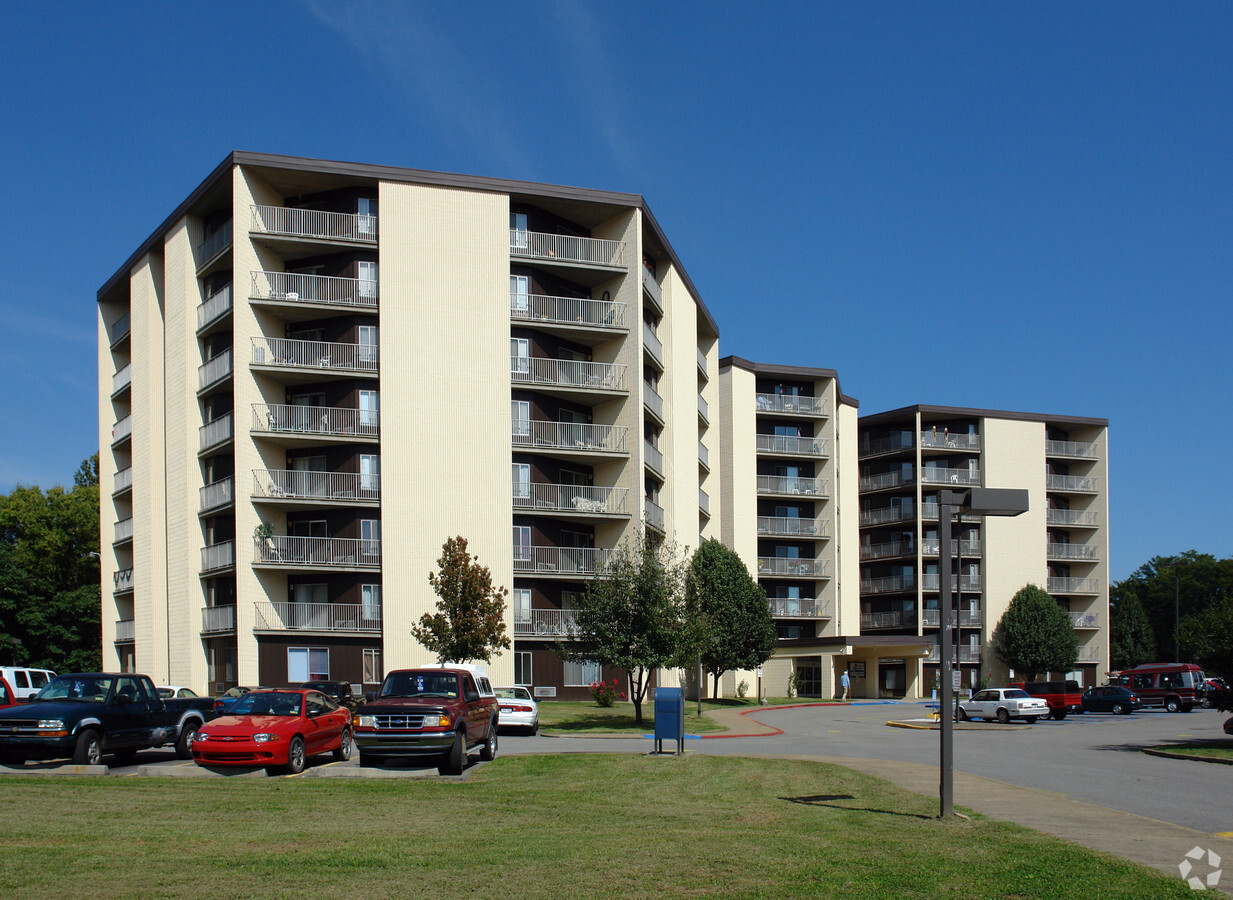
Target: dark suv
<point>338,691</point>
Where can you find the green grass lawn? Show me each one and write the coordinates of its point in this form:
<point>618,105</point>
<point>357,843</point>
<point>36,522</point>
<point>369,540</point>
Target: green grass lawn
<point>1216,749</point>
<point>601,826</point>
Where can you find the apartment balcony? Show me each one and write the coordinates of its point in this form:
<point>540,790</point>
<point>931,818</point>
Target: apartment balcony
<point>894,619</point>
<point>799,608</point>
<point>119,330</point>
<point>313,225</point>
<point>567,249</point>
<point>218,620</point>
<point>568,377</point>
<point>218,557</point>
<point>215,434</point>
<point>122,380</point>
<point>212,248</point>
<point>783,567</point>
<point>887,550</point>
<point>587,321</point>
<point>790,445</point>
<point>704,456</point>
<point>965,618</point>
<point>214,308</point>
<point>1080,552</point>
<point>791,486</point>
<point>966,655</point>
<point>787,526</point>
<point>281,551</point>
<point>930,512</point>
<point>292,423</point>
<point>792,405</point>
<point>702,365</point>
<point>122,481</point>
<point>1084,621</point>
<point>333,488</point>
<point>941,475</point>
<point>884,514</point>
<point>933,547</point>
<point>294,289</point>
<point>313,360</point>
<point>122,430</point>
<point>1073,518</point>
<point>654,347</point>
<point>333,618</point>
<point>704,503</point>
<point>652,514</point>
<point>944,440</point>
<point>123,531</point>
<point>1070,449</point>
<point>545,623</point>
<point>216,496</point>
<point>570,499</point>
<point>652,290</point>
<point>894,443</point>
<point>654,403</point>
<point>560,561</point>
<point>704,410</point>
<point>122,581</point>
<point>214,371</point>
<point>931,581</point>
<point>1072,484</point>
<point>572,438</point>
<point>1089,654</point>
<point>890,584</point>
<point>126,631</point>
<point>653,458</point>
<point>1069,585</point>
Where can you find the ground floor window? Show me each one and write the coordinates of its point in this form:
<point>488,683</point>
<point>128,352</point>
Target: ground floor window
<point>582,674</point>
<point>522,668</point>
<point>308,664</point>
<point>372,666</point>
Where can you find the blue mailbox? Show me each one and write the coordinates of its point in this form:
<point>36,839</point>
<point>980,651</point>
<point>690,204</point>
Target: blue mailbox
<point>669,718</point>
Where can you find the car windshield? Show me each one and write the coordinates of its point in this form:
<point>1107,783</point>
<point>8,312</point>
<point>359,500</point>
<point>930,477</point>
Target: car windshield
<point>513,693</point>
<point>420,684</point>
<point>1015,694</point>
<point>90,688</point>
<point>261,703</point>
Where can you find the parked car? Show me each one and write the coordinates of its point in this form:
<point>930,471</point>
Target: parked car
<point>231,695</point>
<point>338,691</point>
<point>1003,704</point>
<point>1212,687</point>
<point>26,682</point>
<point>1111,698</point>
<point>1174,686</point>
<point>1062,696</point>
<point>175,692</point>
<point>518,708</point>
<point>7,697</point>
<point>278,730</point>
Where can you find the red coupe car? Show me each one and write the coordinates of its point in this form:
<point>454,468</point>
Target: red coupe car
<point>275,729</point>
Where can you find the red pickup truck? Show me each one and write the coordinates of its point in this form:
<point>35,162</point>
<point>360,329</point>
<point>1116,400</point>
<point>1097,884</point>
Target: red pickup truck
<point>443,712</point>
<point>1062,696</point>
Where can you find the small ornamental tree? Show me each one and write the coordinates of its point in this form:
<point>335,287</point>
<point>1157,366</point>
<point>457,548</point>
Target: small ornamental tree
<point>1131,639</point>
<point>1035,635</point>
<point>470,619</point>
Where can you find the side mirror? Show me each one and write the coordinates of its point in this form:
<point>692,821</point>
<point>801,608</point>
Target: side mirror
<point>370,697</point>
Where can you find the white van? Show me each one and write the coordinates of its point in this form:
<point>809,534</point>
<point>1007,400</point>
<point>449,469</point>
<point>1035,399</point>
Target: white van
<point>26,682</point>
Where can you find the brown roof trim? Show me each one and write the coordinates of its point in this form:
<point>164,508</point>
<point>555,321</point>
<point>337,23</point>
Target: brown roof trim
<point>893,414</point>
<point>790,371</point>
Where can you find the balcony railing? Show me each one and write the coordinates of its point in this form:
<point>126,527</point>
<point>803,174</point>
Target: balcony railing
<point>567,311</point>
<point>126,631</point>
<point>929,511</point>
<point>291,616</point>
<point>933,547</point>
<point>1089,654</point>
<point>545,623</point>
<point>213,245</point>
<point>560,560</point>
<point>702,365</point>
<point>792,404</point>
<point>704,409</point>
<point>214,307</point>
<point>121,430</point>
<point>1084,484</point>
<point>790,444</point>
<point>219,556</point>
<point>314,223</point>
<point>966,618</point>
<point>220,493</point>
<point>122,379</point>
<point>569,436</point>
<point>287,418</point>
<point>792,484</point>
<point>122,480</point>
<point>652,342</point>
<point>704,501</point>
<point>884,480</point>
<point>1071,551</point>
<point>944,440</point>
<point>566,248</point>
<point>1063,584</point>
<point>122,579</point>
<point>942,475</point>
<point>653,402</point>
<point>795,568</point>
<point>802,608</point>
<point>123,531</point>
<point>214,370</point>
<point>293,287</point>
<point>317,552</point>
<point>887,550</point>
<point>567,373</point>
<point>297,484</point>
<point>215,433</point>
<point>218,620</point>
<point>894,619</point>
<point>120,329</point>
<point>883,514</point>
<point>653,513</point>
<point>651,286</point>
<point>1071,449</point>
<point>889,584</point>
<point>793,527</point>
<point>1084,620</point>
<point>704,455</point>
<point>1079,517</point>
<point>608,501</point>
<point>653,457</point>
<point>931,581</point>
<point>295,354</point>
<point>966,654</point>
<point>890,444</point>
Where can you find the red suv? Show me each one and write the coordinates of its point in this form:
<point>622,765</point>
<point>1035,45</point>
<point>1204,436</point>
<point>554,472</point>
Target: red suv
<point>1062,696</point>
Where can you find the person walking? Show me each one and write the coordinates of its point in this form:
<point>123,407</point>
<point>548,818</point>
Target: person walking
<point>845,683</point>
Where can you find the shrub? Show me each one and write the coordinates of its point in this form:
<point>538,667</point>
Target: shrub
<point>603,693</point>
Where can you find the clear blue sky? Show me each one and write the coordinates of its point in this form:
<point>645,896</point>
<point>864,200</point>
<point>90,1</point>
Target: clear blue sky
<point>1016,206</point>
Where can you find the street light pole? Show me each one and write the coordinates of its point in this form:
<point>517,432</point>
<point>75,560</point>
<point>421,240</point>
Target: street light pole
<point>947,501</point>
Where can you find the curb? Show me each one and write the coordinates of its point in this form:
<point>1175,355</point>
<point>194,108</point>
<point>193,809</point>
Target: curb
<point>1164,754</point>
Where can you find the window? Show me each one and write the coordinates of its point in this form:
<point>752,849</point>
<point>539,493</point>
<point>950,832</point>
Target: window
<point>366,208</point>
<point>519,351</point>
<point>369,409</point>
<point>518,227</point>
<point>522,668</point>
<point>522,605</point>
<point>519,293</point>
<point>366,337</point>
<point>308,664</point>
<point>370,539</point>
<point>310,593</point>
<point>582,674</point>
<point>370,603</point>
<point>367,272</point>
<point>370,474</point>
<point>520,412</point>
<point>372,666</point>
<point>522,480</point>
<point>522,543</point>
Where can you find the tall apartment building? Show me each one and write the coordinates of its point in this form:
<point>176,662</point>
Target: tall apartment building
<point>1061,543</point>
<point>313,373</point>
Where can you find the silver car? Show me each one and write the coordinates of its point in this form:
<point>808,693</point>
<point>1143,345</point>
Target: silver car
<point>1003,704</point>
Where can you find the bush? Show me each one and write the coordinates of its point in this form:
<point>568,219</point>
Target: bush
<point>604,694</point>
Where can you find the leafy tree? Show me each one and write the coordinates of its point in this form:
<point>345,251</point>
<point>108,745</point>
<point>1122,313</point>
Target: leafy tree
<point>631,617</point>
<point>87,473</point>
<point>1131,639</point>
<point>1171,588</point>
<point>1035,635</point>
<point>729,619</point>
<point>1207,638</point>
<point>470,619</point>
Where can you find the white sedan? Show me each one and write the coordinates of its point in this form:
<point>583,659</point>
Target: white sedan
<point>518,709</point>
<point>1003,704</point>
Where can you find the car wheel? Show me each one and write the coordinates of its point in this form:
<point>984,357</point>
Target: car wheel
<point>535,728</point>
<point>296,757</point>
<point>1172,705</point>
<point>184,743</point>
<point>489,751</point>
<point>1058,714</point>
<point>961,715</point>
<point>89,749</point>
<point>1031,720</point>
<point>1120,709</point>
<point>1003,716</point>
<point>455,759</point>
<point>343,753</point>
